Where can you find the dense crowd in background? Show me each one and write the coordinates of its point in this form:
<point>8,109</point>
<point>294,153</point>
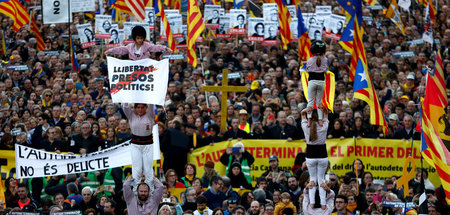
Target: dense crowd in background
<point>51,107</point>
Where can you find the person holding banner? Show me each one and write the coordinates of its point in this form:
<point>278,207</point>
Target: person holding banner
<point>316,154</point>
<point>144,202</point>
<point>139,49</point>
<point>316,67</point>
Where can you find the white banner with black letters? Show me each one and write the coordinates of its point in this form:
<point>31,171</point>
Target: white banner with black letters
<point>31,163</point>
<point>56,11</point>
<point>140,81</point>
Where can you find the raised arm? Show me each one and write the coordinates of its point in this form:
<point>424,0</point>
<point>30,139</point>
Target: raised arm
<point>121,50</point>
<point>127,192</point>
<point>127,110</point>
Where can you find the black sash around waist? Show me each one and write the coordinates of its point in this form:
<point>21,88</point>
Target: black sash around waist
<point>316,151</point>
<point>316,76</point>
<point>142,140</point>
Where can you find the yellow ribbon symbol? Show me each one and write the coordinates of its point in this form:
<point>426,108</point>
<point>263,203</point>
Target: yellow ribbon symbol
<point>406,176</point>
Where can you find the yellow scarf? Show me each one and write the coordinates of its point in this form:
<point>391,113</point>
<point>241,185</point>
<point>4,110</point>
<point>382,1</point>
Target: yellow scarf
<point>351,207</point>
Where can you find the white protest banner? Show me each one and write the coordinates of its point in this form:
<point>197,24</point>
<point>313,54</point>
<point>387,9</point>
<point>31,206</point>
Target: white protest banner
<point>150,18</point>
<point>238,20</point>
<point>140,81</point>
<point>270,33</point>
<point>115,40</point>
<point>103,26</point>
<point>223,31</point>
<point>82,5</point>
<point>255,29</point>
<point>270,12</point>
<point>56,11</point>
<point>86,35</point>
<point>31,163</point>
<point>322,13</point>
<point>212,16</point>
<point>156,151</point>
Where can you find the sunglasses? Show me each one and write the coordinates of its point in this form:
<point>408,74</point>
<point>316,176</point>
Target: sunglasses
<point>232,201</point>
<point>48,95</point>
<point>332,179</point>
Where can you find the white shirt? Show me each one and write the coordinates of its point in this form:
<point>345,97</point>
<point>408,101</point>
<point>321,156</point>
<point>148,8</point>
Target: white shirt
<point>140,125</point>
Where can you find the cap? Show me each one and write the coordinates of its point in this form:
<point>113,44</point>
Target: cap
<point>242,111</point>
<point>404,97</point>
<point>393,117</point>
<point>410,76</point>
<point>255,85</point>
<point>273,158</point>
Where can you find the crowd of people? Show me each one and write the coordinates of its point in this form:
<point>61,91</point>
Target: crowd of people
<point>53,108</point>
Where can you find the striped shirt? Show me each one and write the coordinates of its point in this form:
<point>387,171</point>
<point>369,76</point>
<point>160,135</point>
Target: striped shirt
<point>140,125</point>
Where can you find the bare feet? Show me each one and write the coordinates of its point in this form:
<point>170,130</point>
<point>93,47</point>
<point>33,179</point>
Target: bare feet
<point>321,123</point>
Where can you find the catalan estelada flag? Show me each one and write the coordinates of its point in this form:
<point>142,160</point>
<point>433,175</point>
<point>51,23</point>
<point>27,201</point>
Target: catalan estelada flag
<point>159,11</point>
<point>73,57</point>
<point>434,137</point>
<point>14,10</point>
<point>304,42</point>
<point>195,27</point>
<point>284,18</point>
<point>35,29</point>
<point>329,88</point>
<point>362,86</point>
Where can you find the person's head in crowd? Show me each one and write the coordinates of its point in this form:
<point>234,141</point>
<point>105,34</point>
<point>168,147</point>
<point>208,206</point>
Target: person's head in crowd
<point>408,121</point>
<point>218,211</point>
<point>86,129</point>
<point>216,183</point>
<point>165,210</point>
<point>143,192</point>
<point>259,195</point>
<point>242,117</point>
<point>341,202</point>
<point>231,204</point>
<point>72,188</point>
<point>22,192</point>
<point>293,183</point>
<point>190,194</point>
<point>254,208</point>
<point>269,209</point>
<point>287,211</point>
<point>262,183</point>
<point>110,206</point>
<point>285,198</point>
<point>238,210</point>
<point>59,199</point>
<point>201,202</point>
<point>432,209</point>
<point>171,177</point>
<point>89,211</point>
<point>369,194</point>
<point>190,170</point>
<point>197,184</point>
<point>235,123</point>
<point>276,196</point>
<point>399,110</point>
<point>226,184</point>
<point>273,162</point>
<point>86,193</point>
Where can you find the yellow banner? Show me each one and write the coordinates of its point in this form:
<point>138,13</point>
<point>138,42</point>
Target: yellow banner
<point>383,158</point>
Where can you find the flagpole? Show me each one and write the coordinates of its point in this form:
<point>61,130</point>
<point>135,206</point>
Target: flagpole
<point>70,34</point>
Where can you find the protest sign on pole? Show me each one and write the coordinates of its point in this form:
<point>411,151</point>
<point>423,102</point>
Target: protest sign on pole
<point>56,11</point>
<point>292,10</point>
<point>256,29</point>
<point>140,81</point>
<point>334,27</point>
<point>212,16</point>
<point>270,12</point>
<point>114,41</point>
<point>182,41</point>
<point>103,26</point>
<point>150,17</point>
<point>223,31</point>
<point>128,27</point>
<point>86,35</point>
<point>238,20</point>
<point>294,28</point>
<point>31,163</point>
<point>270,33</point>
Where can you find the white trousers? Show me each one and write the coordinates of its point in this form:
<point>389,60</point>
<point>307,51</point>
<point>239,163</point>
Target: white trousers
<point>315,90</point>
<point>142,160</point>
<point>317,168</point>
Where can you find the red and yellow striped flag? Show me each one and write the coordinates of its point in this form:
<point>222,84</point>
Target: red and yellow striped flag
<point>329,88</point>
<point>16,11</point>
<point>35,29</point>
<point>284,18</point>
<point>195,27</point>
<point>434,137</point>
<point>159,11</point>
